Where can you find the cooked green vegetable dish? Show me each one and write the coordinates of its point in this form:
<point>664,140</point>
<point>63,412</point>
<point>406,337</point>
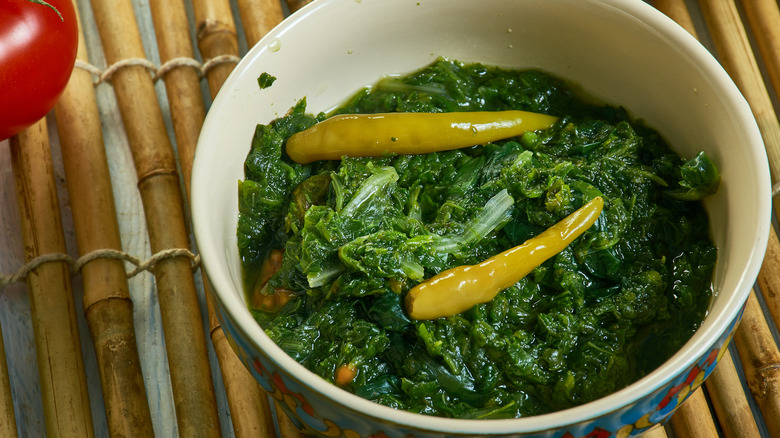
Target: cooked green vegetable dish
<point>330,250</point>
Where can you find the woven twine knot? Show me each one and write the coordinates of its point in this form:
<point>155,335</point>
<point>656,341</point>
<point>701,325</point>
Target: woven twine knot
<point>76,265</point>
<point>104,75</point>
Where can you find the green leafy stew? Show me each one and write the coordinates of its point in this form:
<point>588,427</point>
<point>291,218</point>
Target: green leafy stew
<point>330,249</point>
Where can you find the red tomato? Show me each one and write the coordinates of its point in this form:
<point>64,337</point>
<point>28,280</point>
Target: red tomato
<point>38,42</point>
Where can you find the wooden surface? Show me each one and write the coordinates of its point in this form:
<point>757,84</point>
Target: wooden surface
<point>15,313</point>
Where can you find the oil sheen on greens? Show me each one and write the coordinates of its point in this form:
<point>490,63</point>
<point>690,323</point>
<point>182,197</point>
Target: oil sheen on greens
<point>359,233</point>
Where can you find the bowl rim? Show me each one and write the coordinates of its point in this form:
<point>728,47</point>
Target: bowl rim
<point>456,426</point>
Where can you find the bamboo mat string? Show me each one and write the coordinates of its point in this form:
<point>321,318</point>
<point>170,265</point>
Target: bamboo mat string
<point>104,75</point>
<point>108,307</point>
<point>694,417</point>
<point>247,403</point>
<point>158,184</point>
<point>63,380</point>
<point>76,264</point>
<point>755,344</point>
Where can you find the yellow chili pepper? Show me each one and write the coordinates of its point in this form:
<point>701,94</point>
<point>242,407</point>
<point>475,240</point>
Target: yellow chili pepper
<point>372,135</point>
<point>457,290</point>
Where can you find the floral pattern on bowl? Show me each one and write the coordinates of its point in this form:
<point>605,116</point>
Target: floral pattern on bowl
<point>318,416</point>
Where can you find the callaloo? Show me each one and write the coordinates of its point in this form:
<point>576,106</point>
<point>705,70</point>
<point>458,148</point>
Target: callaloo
<point>330,249</point>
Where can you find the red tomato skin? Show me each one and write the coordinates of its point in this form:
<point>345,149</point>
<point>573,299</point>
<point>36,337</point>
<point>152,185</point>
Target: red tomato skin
<point>37,54</point>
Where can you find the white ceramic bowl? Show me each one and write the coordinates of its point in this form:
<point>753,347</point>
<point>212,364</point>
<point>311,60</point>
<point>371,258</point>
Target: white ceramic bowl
<point>622,51</point>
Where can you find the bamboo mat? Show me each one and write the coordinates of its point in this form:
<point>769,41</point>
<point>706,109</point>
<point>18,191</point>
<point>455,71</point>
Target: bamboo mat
<point>124,134</point>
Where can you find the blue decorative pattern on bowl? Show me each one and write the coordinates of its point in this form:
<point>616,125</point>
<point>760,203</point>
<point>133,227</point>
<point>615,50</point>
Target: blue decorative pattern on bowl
<point>319,416</point>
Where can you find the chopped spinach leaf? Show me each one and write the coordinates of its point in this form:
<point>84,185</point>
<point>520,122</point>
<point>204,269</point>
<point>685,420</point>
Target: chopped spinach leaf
<point>358,233</point>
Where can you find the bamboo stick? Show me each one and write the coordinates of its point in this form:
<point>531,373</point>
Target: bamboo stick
<point>107,305</point>
<point>250,413</point>
<point>693,418</point>
<point>764,19</point>
<point>294,5</point>
<point>729,402</point>
<point>58,346</point>
<point>8,425</point>
<point>736,55</point>
<point>7,415</point>
<point>182,83</point>
<point>216,36</point>
<point>656,432</point>
<point>286,427</point>
<point>760,359</point>
<point>757,350</point>
<point>769,285</point>
<point>677,11</point>
<point>249,408</point>
<point>158,184</point>
<point>259,17</point>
